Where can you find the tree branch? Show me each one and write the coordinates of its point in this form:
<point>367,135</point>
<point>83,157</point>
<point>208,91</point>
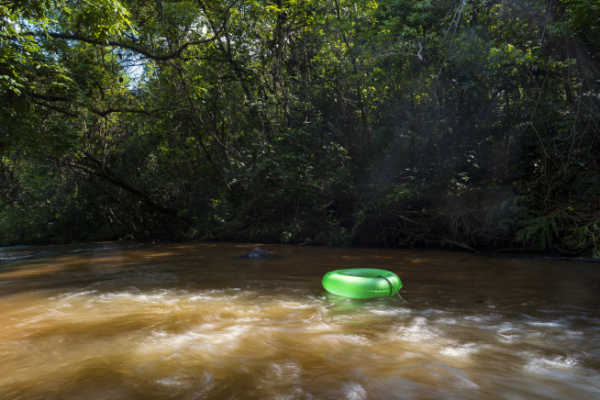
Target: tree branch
<point>54,108</point>
<point>118,182</point>
<point>124,110</point>
<point>45,96</point>
<point>157,57</point>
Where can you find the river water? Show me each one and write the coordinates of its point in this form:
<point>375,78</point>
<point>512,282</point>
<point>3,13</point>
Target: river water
<point>191,321</point>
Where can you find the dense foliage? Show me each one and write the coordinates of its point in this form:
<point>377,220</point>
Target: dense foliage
<point>470,123</point>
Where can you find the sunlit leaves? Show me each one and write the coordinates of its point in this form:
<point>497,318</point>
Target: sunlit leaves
<point>335,112</point>
<point>101,20</point>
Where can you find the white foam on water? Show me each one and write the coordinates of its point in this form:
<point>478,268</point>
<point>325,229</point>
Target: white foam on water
<point>223,291</point>
<point>396,311</point>
<point>348,339</point>
<point>507,333</point>
<point>447,321</point>
<point>556,324</point>
<point>419,330</point>
<point>461,351</point>
<point>133,297</point>
<point>322,327</point>
<point>44,317</point>
<point>282,381</point>
<point>572,334</point>
<point>288,372</point>
<point>294,394</point>
<point>73,295</point>
<point>200,340</point>
<point>204,382</point>
<point>171,382</point>
<point>203,297</point>
<point>208,327</point>
<point>354,391</point>
<point>433,311</point>
<point>482,318</point>
<point>508,338</point>
<point>541,364</point>
<point>248,320</point>
<point>294,305</point>
<point>534,334</point>
<point>505,327</point>
<point>217,295</point>
<point>467,383</point>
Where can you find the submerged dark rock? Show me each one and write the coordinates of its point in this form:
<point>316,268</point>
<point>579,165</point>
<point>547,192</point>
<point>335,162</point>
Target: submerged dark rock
<point>257,252</point>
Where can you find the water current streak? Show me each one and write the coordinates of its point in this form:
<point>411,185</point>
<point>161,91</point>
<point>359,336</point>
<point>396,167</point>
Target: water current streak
<point>189,321</point>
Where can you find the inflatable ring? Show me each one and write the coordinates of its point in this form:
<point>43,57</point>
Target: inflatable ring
<point>362,283</point>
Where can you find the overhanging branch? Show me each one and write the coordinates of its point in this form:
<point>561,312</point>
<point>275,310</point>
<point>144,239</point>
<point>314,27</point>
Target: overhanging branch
<point>101,172</point>
<point>129,46</point>
<point>104,113</point>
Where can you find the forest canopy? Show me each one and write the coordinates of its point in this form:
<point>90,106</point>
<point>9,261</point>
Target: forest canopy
<point>398,123</point>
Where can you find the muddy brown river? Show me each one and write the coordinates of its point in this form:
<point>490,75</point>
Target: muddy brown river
<point>191,321</point>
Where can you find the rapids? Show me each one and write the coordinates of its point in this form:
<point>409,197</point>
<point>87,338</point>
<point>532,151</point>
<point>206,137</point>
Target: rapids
<point>192,321</point>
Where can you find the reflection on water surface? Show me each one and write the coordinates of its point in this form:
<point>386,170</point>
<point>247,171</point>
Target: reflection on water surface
<point>193,322</point>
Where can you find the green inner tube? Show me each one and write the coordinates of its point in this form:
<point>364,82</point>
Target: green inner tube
<point>361,283</point>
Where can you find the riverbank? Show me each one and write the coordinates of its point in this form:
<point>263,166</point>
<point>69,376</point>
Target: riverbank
<point>20,253</point>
